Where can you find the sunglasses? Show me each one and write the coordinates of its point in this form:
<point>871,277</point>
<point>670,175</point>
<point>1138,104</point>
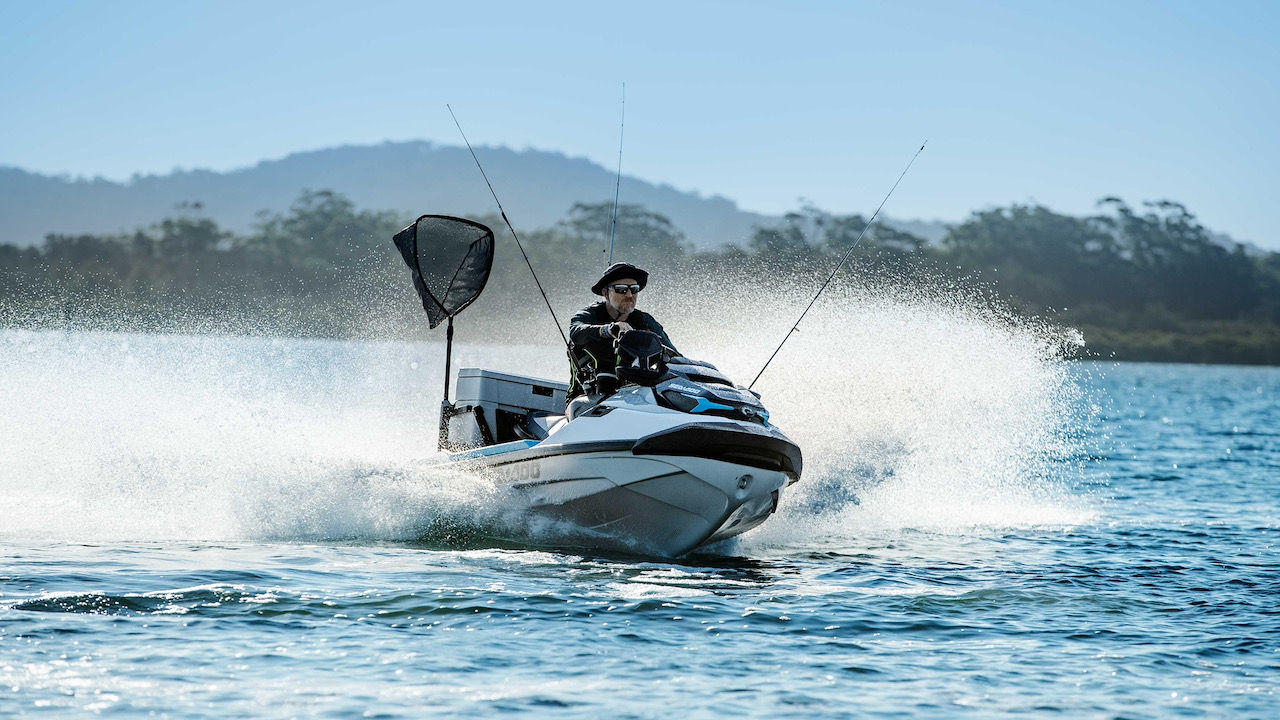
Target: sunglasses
<point>624,289</point>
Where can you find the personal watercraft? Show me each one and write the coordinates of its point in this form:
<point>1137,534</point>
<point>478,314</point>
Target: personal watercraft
<point>662,456</point>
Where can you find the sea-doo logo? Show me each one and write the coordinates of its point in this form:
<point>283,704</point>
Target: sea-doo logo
<point>516,472</point>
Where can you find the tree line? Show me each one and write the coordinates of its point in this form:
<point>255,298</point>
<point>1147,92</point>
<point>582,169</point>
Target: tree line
<point>1148,283</point>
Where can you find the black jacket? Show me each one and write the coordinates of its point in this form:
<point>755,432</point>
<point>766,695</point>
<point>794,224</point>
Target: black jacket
<point>589,338</point>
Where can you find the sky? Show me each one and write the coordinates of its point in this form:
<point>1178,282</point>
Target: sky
<point>769,104</point>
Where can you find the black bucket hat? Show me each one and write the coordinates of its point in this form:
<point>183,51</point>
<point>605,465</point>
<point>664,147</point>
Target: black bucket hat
<point>617,271</point>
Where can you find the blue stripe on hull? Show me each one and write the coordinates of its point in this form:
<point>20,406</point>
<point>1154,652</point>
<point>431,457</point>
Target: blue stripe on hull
<point>493,450</point>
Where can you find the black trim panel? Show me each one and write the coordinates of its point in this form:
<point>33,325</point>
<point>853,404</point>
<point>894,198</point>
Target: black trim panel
<point>736,444</point>
<point>748,446</point>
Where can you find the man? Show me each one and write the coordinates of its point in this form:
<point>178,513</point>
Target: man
<point>594,328</point>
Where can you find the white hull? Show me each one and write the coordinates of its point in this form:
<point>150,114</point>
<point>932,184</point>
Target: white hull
<point>633,475</point>
<point>652,505</point>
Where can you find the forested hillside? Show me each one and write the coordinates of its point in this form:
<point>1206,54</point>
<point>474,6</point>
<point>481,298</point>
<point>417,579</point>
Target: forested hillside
<point>1146,283</point>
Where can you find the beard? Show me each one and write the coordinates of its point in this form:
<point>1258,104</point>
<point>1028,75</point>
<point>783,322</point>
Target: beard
<point>621,308</point>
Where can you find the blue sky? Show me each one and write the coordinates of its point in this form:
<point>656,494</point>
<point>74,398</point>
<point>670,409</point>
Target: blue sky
<point>763,103</point>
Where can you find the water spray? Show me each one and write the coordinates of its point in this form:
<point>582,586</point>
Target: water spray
<point>796,325</point>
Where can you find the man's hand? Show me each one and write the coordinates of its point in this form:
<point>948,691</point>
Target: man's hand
<point>616,329</point>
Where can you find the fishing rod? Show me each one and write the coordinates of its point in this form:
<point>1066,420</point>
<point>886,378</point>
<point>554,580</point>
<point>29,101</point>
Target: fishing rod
<point>796,325</point>
<point>509,227</point>
<point>618,185</point>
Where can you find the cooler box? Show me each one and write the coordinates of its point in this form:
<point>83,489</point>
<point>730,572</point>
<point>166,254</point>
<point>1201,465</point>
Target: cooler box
<point>513,395</point>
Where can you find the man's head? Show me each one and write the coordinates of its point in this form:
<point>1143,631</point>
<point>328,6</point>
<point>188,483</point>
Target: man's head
<point>621,294</point>
<point>619,285</point>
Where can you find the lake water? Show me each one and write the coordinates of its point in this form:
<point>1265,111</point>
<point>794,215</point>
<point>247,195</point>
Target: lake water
<point>203,526</point>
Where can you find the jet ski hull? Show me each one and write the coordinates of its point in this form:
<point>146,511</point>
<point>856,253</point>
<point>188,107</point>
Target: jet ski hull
<point>663,505</point>
<point>633,474</point>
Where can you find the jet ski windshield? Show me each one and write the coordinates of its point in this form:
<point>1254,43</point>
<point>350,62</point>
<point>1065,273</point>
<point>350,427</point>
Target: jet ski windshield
<point>690,386</point>
<point>640,358</point>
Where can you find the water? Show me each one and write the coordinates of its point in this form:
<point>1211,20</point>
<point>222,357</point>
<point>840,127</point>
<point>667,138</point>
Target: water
<point>196,525</point>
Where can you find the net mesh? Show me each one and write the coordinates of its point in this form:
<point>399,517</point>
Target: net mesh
<point>450,259</point>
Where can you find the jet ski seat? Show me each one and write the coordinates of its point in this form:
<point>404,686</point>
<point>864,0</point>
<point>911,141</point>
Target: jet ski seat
<point>577,405</point>
<point>537,426</point>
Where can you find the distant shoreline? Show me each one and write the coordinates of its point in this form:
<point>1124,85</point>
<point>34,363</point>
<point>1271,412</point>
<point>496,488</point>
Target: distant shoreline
<point>1106,346</point>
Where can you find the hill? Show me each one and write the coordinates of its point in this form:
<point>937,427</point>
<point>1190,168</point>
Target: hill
<point>537,188</point>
